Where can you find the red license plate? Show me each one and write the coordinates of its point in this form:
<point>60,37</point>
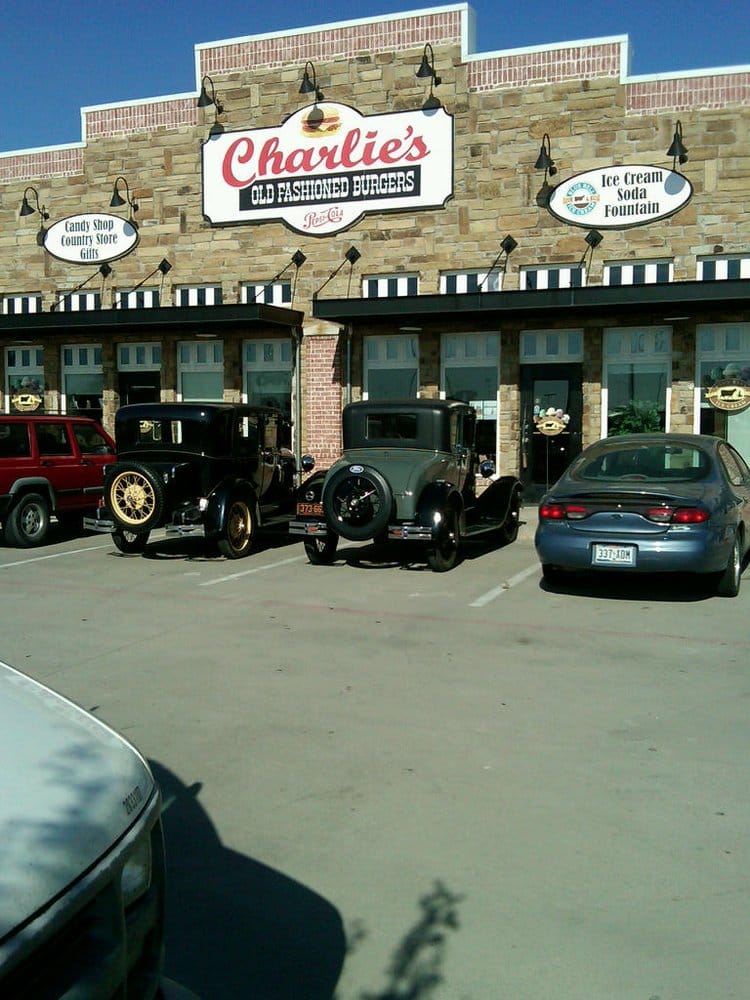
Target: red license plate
<point>310,509</point>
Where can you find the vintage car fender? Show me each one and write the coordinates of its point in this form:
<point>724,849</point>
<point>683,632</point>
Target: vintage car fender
<point>498,497</point>
<point>311,490</point>
<point>438,497</point>
<point>221,497</point>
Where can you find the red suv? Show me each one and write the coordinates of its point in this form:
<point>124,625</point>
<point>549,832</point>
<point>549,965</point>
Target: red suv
<point>49,465</point>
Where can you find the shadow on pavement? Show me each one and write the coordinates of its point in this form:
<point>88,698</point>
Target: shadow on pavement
<point>195,548</point>
<point>236,928</point>
<point>416,969</point>
<point>681,588</point>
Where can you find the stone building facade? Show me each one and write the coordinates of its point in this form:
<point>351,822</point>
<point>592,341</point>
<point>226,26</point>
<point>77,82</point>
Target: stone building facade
<point>637,325</point>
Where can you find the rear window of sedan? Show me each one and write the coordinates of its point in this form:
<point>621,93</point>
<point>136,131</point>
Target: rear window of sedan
<point>149,434</point>
<point>655,463</point>
<point>392,426</point>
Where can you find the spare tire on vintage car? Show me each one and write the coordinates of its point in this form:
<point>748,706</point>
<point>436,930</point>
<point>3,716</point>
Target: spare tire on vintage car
<point>357,503</point>
<point>134,495</point>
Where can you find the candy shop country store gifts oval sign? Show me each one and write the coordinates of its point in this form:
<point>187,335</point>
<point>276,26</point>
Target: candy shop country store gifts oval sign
<point>620,197</point>
<point>91,238</point>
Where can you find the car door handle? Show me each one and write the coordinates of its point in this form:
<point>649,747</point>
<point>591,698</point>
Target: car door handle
<point>46,461</point>
<point>86,461</point>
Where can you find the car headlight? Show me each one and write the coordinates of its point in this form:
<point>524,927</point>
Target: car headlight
<point>136,874</point>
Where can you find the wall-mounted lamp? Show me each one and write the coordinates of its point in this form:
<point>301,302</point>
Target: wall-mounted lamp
<point>309,83</point>
<point>206,100</point>
<point>117,200</point>
<point>104,269</point>
<point>544,161</point>
<point>27,209</point>
<point>427,70</point>
<point>297,260</point>
<point>351,257</point>
<point>593,238</point>
<point>678,149</point>
<point>507,246</point>
<point>163,266</point>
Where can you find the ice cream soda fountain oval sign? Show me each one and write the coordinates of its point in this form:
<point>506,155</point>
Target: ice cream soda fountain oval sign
<point>620,197</point>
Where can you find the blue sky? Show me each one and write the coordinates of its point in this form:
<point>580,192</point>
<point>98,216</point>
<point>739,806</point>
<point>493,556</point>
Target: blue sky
<point>58,57</point>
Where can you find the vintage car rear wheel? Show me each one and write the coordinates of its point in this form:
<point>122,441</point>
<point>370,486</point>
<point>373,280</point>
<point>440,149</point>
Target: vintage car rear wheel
<point>444,553</point>
<point>135,496</point>
<point>130,542</point>
<point>27,524</point>
<point>322,551</point>
<point>357,505</point>
<point>239,529</point>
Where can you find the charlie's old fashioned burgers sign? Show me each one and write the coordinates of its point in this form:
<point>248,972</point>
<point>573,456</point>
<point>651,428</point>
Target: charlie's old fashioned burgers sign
<point>326,166</point>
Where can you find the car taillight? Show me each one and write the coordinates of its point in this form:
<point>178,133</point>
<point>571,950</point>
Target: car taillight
<point>562,512</point>
<point>679,515</point>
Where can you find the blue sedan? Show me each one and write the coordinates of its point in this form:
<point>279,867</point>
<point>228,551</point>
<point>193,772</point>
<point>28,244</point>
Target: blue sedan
<point>650,503</point>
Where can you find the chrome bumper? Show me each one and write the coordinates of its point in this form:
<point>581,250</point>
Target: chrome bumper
<point>99,522</point>
<point>396,532</point>
<point>317,528</point>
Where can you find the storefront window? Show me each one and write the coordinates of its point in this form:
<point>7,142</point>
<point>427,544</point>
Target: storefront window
<point>83,380</point>
<point>636,388</point>
<point>391,368</point>
<point>139,372</point>
<point>268,374</point>
<point>723,359</point>
<point>24,379</point>
<point>469,372</point>
<point>200,371</point>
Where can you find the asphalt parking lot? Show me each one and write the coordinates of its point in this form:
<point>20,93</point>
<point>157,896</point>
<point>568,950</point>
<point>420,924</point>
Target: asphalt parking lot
<point>382,783</point>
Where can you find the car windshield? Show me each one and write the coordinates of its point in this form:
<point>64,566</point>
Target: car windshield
<point>653,462</point>
<point>189,435</point>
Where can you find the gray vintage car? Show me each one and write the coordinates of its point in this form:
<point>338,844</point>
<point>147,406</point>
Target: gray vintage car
<point>408,472</point>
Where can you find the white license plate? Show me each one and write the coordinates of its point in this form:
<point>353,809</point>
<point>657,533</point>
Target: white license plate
<point>613,555</point>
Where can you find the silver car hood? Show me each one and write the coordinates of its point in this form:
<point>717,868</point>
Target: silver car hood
<point>70,787</point>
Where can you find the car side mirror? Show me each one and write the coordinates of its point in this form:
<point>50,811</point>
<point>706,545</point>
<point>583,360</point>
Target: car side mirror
<point>487,468</point>
<point>307,463</point>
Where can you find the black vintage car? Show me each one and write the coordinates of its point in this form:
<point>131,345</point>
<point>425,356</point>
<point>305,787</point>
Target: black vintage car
<point>219,467</point>
<point>408,472</point>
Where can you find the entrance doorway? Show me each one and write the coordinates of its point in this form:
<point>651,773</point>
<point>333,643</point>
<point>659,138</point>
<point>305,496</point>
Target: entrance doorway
<point>545,457</point>
<point>139,387</point>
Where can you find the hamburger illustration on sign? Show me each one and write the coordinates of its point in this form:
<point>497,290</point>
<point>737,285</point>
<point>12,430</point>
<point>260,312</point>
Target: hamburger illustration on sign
<point>327,166</point>
<point>321,121</point>
<point>620,197</point>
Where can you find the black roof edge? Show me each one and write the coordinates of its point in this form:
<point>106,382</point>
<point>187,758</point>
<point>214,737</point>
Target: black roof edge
<point>608,298</point>
<point>187,318</point>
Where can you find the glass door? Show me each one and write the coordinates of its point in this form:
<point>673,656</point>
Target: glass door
<point>551,412</point>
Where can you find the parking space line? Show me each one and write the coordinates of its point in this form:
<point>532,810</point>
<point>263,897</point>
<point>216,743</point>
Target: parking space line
<point>504,586</point>
<point>54,555</point>
<point>249,572</point>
